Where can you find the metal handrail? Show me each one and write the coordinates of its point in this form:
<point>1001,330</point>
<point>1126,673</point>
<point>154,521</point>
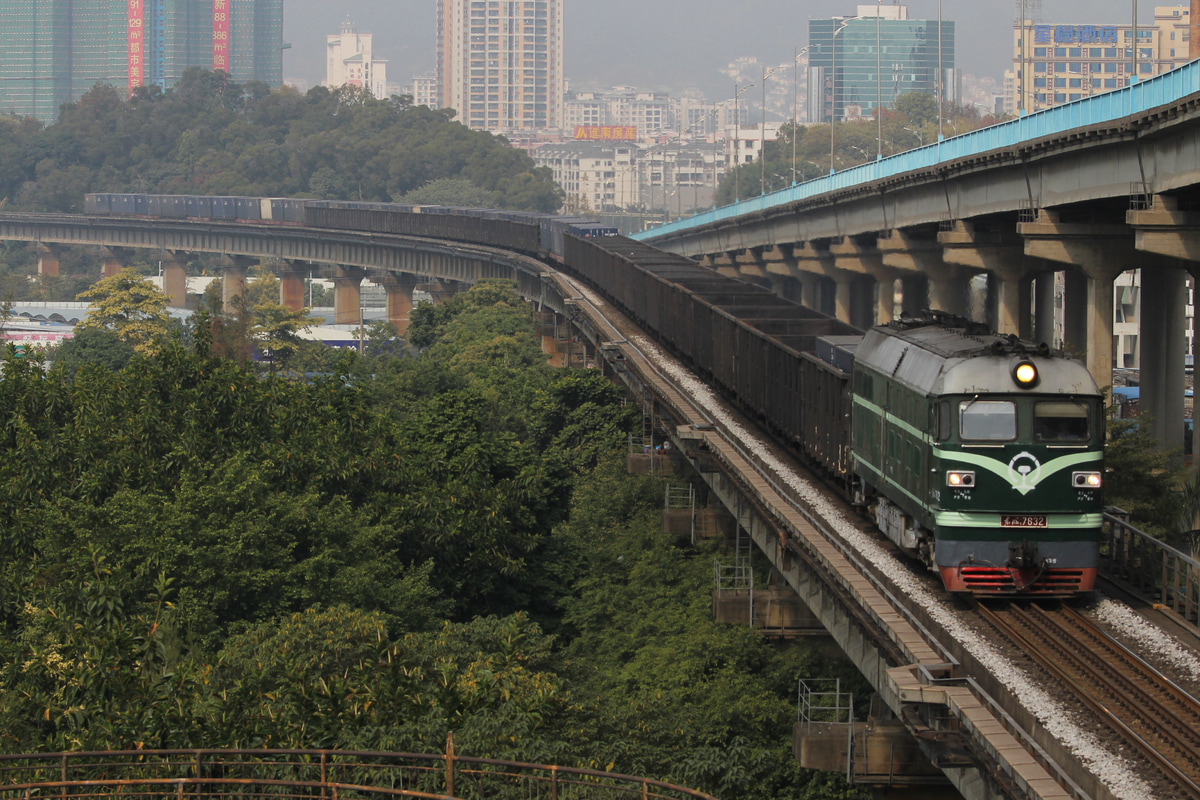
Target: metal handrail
<point>304,774</point>
<point>1153,568</point>
<point>1138,98</point>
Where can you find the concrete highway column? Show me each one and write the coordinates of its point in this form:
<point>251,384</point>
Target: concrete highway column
<point>1009,301</point>
<point>1075,311</point>
<point>1001,255</point>
<point>950,289</point>
<point>47,260</point>
<point>814,260</point>
<point>347,298</point>
<point>876,295</point>
<point>399,289</point>
<point>916,256</point>
<point>1044,308</point>
<point>110,263</point>
<point>843,298</point>
<point>726,264</point>
<point>175,277</point>
<point>1101,252</point>
<point>233,282</point>
<point>914,291</point>
<point>785,276</point>
<point>291,285</point>
<point>1164,294</point>
<point>750,265</point>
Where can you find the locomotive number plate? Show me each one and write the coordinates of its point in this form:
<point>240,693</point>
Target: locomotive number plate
<point>1022,520</point>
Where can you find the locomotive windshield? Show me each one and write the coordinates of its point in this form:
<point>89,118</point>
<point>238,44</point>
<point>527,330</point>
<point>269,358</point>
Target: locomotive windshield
<point>1060,421</point>
<point>987,420</point>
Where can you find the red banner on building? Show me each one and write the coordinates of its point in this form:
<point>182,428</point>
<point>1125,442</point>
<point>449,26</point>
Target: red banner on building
<point>137,40</point>
<point>220,35</point>
<point>606,133</point>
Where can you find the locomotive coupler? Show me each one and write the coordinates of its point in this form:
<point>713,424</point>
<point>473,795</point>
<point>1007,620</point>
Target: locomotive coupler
<point>1023,555</point>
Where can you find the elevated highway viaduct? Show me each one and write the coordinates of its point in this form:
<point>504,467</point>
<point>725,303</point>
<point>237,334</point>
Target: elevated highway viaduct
<point>1088,190</point>
<point>948,701</point>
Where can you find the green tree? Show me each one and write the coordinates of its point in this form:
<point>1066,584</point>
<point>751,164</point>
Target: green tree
<point>920,108</point>
<point>277,331</point>
<point>93,346</point>
<point>131,307</point>
<point>451,192</point>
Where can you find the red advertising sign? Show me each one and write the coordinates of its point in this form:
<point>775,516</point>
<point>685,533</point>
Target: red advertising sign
<point>606,133</point>
<point>137,38</point>
<point>220,35</point>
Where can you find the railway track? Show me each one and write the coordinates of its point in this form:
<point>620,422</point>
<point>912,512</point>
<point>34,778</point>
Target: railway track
<point>1158,718</point>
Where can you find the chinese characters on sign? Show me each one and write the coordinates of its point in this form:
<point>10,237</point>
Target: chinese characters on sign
<point>1075,34</point>
<point>606,133</point>
<point>220,35</point>
<point>136,40</point>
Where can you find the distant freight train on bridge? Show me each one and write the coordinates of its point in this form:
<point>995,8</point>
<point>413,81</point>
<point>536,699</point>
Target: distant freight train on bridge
<point>978,454</point>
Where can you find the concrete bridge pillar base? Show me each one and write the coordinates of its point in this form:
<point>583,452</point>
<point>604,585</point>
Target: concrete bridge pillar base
<point>175,278</point>
<point>347,297</point>
<point>47,260</point>
<point>233,282</point>
<point>291,285</point>
<point>399,289</point>
<point>110,263</point>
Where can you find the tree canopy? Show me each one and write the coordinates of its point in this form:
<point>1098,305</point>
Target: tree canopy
<point>200,555</point>
<point>209,135</point>
<point>129,306</point>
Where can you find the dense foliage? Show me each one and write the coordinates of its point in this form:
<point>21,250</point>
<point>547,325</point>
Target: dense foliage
<point>199,554</point>
<point>210,135</point>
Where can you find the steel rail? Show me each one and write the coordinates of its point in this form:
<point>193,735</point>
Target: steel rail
<point>844,548</point>
<point>1040,653</point>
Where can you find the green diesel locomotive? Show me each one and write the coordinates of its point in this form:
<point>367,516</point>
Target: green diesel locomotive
<point>981,455</point>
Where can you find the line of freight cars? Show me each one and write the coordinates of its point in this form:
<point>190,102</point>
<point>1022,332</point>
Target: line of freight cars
<point>1031,521</point>
<point>526,232</point>
<point>979,454</point>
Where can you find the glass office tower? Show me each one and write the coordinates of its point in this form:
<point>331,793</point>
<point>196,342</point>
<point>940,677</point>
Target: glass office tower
<point>856,63</point>
<point>54,51</point>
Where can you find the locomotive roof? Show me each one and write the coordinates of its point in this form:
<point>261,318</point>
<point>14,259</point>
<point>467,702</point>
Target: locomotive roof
<point>945,355</point>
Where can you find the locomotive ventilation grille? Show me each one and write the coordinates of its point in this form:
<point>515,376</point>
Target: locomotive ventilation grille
<point>994,580</point>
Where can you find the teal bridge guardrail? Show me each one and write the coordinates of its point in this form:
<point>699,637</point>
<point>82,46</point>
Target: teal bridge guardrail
<point>1142,96</point>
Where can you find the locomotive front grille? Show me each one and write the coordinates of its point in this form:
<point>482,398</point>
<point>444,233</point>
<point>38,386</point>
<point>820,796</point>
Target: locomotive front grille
<point>994,580</point>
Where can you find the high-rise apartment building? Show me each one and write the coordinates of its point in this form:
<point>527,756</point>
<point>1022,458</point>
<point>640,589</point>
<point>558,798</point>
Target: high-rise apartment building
<point>1056,64</point>
<point>349,61</point>
<point>857,63</point>
<point>500,63</point>
<point>53,51</point>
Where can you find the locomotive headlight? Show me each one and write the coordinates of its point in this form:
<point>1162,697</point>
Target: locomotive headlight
<point>960,478</point>
<point>1086,480</point>
<point>1025,374</point>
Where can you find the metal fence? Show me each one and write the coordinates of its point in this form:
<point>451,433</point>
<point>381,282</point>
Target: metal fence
<point>1155,570</point>
<point>1108,107</point>
<point>312,775</point>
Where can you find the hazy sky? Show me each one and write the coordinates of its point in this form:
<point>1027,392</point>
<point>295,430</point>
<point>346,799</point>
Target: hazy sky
<point>670,44</point>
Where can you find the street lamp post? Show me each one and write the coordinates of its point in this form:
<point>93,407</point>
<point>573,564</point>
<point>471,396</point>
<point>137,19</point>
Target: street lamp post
<point>878,83</point>
<point>767,73</point>
<point>737,138</point>
<point>833,88</point>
